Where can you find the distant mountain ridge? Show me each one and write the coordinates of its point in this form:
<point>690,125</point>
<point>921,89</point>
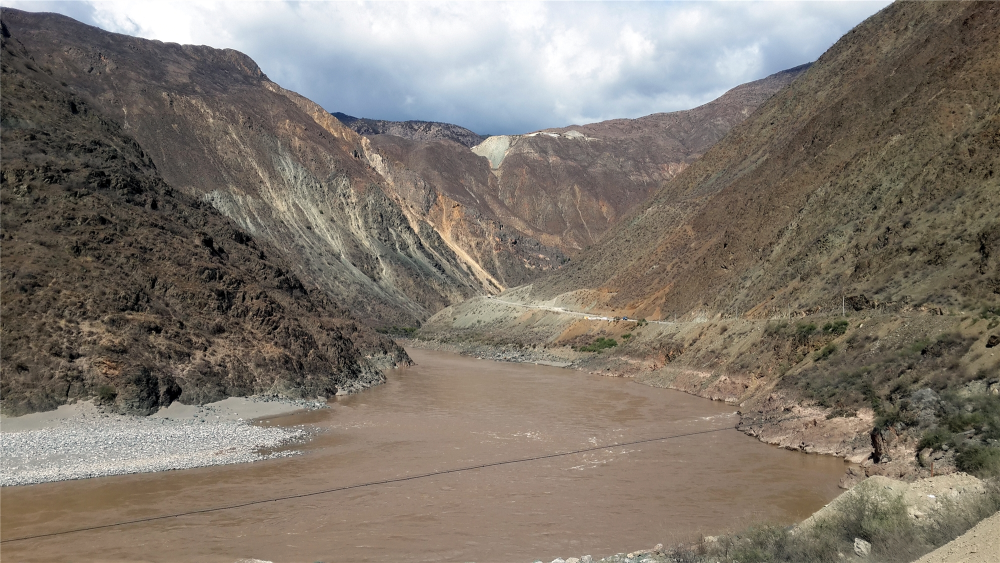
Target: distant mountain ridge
<point>521,205</point>
<point>831,265</point>
<point>415,130</point>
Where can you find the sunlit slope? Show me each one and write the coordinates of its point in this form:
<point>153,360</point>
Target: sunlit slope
<point>876,173</point>
<point>275,163</point>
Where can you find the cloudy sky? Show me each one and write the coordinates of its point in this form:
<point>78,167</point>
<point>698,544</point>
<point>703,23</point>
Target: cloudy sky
<point>496,67</point>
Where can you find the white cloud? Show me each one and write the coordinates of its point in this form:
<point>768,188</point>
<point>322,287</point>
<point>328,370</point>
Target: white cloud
<point>496,67</point>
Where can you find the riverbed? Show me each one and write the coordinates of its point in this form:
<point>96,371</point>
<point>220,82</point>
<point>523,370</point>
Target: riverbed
<point>682,471</point>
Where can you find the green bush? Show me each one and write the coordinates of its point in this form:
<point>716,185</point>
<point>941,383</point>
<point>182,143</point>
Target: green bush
<point>626,336</point>
<point>106,394</point>
<point>981,461</point>
<point>804,331</point>
<point>867,512</point>
<point>836,327</point>
<point>879,517</point>
<point>825,353</point>
<point>934,438</point>
<point>600,344</point>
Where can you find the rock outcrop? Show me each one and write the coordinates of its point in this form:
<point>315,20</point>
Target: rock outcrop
<point>118,285</point>
<point>414,130</point>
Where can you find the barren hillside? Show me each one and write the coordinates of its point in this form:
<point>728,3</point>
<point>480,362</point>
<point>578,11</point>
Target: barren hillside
<point>117,285</point>
<point>278,165</point>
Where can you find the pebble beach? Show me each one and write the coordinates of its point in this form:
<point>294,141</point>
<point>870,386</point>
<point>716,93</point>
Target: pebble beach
<point>80,441</point>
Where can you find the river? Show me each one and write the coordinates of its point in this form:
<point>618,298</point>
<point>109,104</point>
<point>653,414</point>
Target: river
<point>444,413</point>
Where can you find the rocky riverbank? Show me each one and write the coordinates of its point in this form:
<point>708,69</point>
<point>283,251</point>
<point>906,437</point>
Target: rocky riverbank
<point>81,441</point>
<point>948,518</point>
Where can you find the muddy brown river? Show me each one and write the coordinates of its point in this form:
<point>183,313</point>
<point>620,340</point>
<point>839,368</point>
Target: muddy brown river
<point>447,412</point>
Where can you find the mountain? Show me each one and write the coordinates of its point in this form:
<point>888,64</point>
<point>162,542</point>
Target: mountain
<point>278,165</point>
<point>415,130</point>
<point>878,161</point>
<point>832,264</point>
<point>117,285</point>
<point>519,206</point>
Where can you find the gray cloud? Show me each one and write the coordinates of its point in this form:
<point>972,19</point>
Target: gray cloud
<point>497,67</point>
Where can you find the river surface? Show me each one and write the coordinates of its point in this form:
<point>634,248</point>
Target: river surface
<point>447,412</point>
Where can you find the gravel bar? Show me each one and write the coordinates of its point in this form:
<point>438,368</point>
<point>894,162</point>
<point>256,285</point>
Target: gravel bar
<point>119,445</point>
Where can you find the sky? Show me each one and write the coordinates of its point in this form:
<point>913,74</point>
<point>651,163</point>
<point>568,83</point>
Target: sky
<point>495,67</point>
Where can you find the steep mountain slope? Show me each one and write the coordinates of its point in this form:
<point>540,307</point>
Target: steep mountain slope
<point>115,284</point>
<point>831,265</point>
<point>876,173</point>
<point>275,163</point>
<point>415,130</point>
<point>536,199</point>
<point>452,188</point>
<point>576,182</point>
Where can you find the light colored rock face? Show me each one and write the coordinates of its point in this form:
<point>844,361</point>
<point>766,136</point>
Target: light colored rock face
<point>495,148</point>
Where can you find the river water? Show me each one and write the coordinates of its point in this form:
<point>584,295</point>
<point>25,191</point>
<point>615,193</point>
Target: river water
<point>444,413</point>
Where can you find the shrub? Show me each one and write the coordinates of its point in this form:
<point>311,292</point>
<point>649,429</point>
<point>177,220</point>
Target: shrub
<point>836,327</point>
<point>879,517</point>
<point>825,353</point>
<point>981,461</point>
<point>599,344</point>
<point>626,336</point>
<point>106,394</point>
<point>776,329</point>
<point>804,331</point>
<point>934,438</point>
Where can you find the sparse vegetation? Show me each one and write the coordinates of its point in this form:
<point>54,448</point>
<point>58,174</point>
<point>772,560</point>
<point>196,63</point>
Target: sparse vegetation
<point>836,327</point>
<point>599,344</point>
<point>871,514</point>
<point>106,394</point>
<point>826,352</point>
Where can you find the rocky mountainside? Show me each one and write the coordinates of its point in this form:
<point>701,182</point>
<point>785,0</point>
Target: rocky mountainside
<point>574,183</point>
<point>278,165</point>
<point>875,173</point>
<point>831,265</point>
<point>116,284</point>
<point>415,130</point>
<point>519,206</point>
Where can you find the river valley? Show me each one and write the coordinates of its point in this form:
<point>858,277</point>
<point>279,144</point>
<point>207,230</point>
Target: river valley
<point>443,413</point>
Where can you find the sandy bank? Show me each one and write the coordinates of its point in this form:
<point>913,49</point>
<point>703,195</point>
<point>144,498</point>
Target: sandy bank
<point>81,441</point>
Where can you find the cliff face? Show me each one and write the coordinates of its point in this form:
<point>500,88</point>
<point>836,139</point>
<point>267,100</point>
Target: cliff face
<point>116,284</point>
<point>275,163</point>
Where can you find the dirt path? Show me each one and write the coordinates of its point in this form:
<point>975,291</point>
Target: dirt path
<point>979,545</point>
